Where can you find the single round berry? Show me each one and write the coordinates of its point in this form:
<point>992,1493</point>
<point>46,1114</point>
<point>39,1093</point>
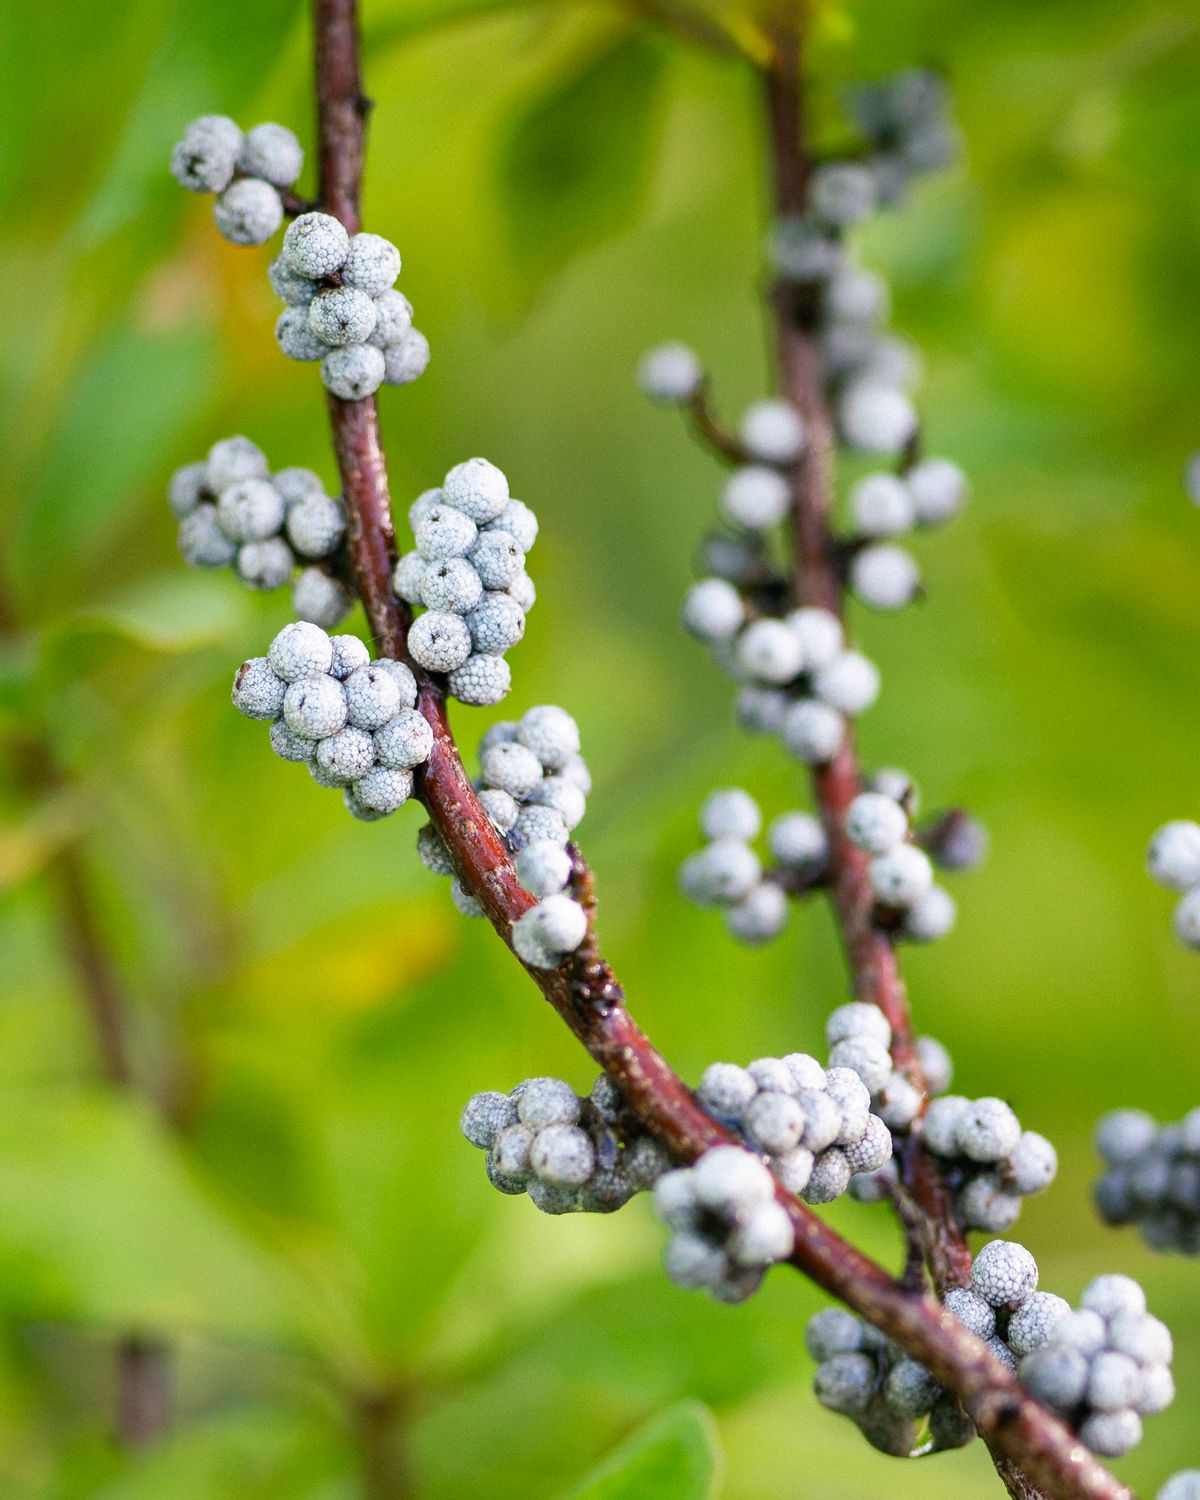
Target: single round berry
<point>250,510</point>
<point>393,320</point>
<point>547,932</point>
<point>1125,1135</point>
<point>248,212</point>
<point>730,1180</point>
<point>876,417</point>
<point>1004,1273</point>
<point>316,525</point>
<point>930,917</point>
<point>273,153</point>
<point>875,823</point>
<point>347,755</point>
<point>820,635</point>
<point>724,872</point>
<point>439,641</point>
<point>901,877</point>
<point>938,489</point>
<point>1034,1322</point>
<point>496,623</point>
<point>372,696</point>
<point>511,766</point>
<point>497,559</point>
<point>202,543</point>
<point>551,733</point>
<point>1111,1434</point>
<point>384,789</point>
<point>187,487</point>
<point>452,584</point>
<point>316,245</point>
<point>845,1383</point>
<point>763,1237</point>
<point>342,315</point>
<point>850,683</point>
<point>315,707</point>
<point>830,1177</point>
<point>730,814</point>
<point>563,1155</point>
<point>501,809</point>
<point>295,337</point>
<point>853,295</point>
<point>759,916</point>
<point>404,741</point>
<point>372,264</point>
<point>671,372</point>
<point>320,598</point>
<point>813,732</point>
<point>353,373</point>
<point>478,488</point>
<point>289,286</point>
<point>205,159</point>
<point>408,576</point>
<point>543,868</point>
<point>1055,1375</point>
<point>713,610</point>
<point>973,1312</point>
<point>300,650</point>
<point>1173,858</point>
<point>842,193</point>
<point>233,459</point>
<point>797,841</point>
<point>534,823</point>
<point>407,358</point>
<point>518,519</point>
<point>910,1390</point>
<point>772,432</point>
<point>481,681</point>
<point>1033,1164</point>
<point>768,651</point>
<point>1114,1296</point>
<point>755,497</point>
<point>884,576</point>
<point>258,691</point>
<point>882,505</point>
<point>987,1130</point>
<point>445,532</point>
<point>485,1116</point>
<point>265,565</point>
<point>288,745</point>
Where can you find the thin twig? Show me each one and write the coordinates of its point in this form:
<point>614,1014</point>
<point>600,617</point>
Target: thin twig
<point>584,991</point>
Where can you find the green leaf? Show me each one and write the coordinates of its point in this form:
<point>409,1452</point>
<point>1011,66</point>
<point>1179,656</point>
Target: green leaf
<point>675,1456</point>
<point>168,612</point>
<point>574,166</point>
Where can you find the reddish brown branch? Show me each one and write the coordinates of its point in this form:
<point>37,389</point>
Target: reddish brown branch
<point>143,1391</point>
<point>585,992</point>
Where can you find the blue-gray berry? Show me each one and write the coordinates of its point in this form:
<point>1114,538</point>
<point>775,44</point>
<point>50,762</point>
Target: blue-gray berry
<point>205,159</point>
<point>393,319</point>
<point>383,789</point>
<point>300,650</point>
<point>713,610</point>
<point>315,707</point>
<point>551,733</point>
<point>202,543</point>
<point>481,680</point>
<point>544,868</point>
<point>186,488</point>
<point>372,264</point>
<point>258,691</point>
<point>478,488</point>
<point>451,583</point>
<point>250,510</point>
<point>404,741</point>
<point>408,576</point>
<point>485,1116</point>
<point>407,358</point>
<point>772,432</point>
<point>295,337</point>
<point>265,565</point>
<point>288,745</point>
<point>372,697</point>
<point>342,315</point>
<point>273,153</point>
<point>233,459</point>
<point>496,623</point>
<point>497,559</point>
<point>353,373</point>
<point>248,212</point>
<point>316,525</point>
<point>443,532</point>
<point>320,598</point>
<point>534,823</point>
<point>1004,1273</point>
<point>517,518</point>
<point>439,641</point>
<point>511,766</point>
<point>347,755</point>
<point>670,372</point>
<point>316,245</point>
<point>289,286</point>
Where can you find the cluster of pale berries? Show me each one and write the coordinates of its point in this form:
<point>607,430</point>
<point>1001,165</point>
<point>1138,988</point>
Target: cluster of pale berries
<point>1173,860</point>
<point>343,309</point>
<point>889,1395</point>
<point>351,720</point>
<point>1104,1366</point>
<point>533,785</point>
<point>571,1155</point>
<point>987,1159</point>
<point>1153,1177</point>
<point>468,574</point>
<point>233,512</point>
<point>245,170</point>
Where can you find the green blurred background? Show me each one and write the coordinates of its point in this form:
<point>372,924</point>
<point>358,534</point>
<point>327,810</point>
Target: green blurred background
<point>308,1231</point>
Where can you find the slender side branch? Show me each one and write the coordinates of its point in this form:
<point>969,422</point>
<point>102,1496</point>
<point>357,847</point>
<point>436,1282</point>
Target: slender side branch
<point>585,992</point>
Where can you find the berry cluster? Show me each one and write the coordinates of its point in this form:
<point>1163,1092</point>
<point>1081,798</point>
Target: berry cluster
<point>1104,1366</point>
<point>985,1156</point>
<point>570,1154</point>
<point>727,873</point>
<point>886,1394</point>
<point>814,1125</point>
<point>468,573</point>
<point>1173,860</point>
<point>533,785</point>
<point>726,1224</point>
<point>343,309</point>
<point>901,873</point>
<point>233,512</point>
<point>1153,1177</point>
<point>351,720</point>
<point>245,170</point>
<point>859,1037</point>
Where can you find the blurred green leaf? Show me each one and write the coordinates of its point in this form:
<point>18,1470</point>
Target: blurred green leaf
<point>574,164</point>
<point>675,1456</point>
<point>167,612</point>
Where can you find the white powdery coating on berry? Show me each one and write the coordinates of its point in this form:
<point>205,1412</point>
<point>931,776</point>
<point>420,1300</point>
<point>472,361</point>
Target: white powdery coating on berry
<point>543,868</point>
<point>497,559</point>
<point>443,531</point>
<point>854,295</point>
<point>759,916</point>
<point>1186,1484</point>
<point>764,1237</point>
<point>726,1089</point>
<point>773,1122</point>
<point>289,286</point>
<point>1125,1135</point>
<point>300,650</point>
<point>547,932</point>
<point>755,497</point>
<point>233,459</point>
<point>670,372</point>
<point>1003,1273</point>
<point>875,417</point>
<point>850,683</point>
<point>295,338</point>
<point>987,1130</point>
<point>768,651</point>
<point>353,373</point>
<point>439,641</point>
<point>561,796</point>
<point>813,732</point>
<point>910,1390</point>
<point>484,1116</point>
<point>202,543</point>
<point>186,488</point>
<point>713,610</point>
<point>511,766</point>
<point>408,576</point>
<point>248,212</point>
<point>900,878</point>
<point>265,565</point>
<point>288,745</point>
<point>862,1055</point>
<point>320,598</point>
<point>342,315</point>
<point>383,790</point>
<point>830,1177</point>
<point>1173,858</point>
<point>432,852</point>
<point>250,510</point>
<point>972,1311</point>
<point>258,691</point>
<point>407,359</point>
<point>451,583</point>
<point>846,1383</point>
<point>315,707</point>
<point>372,264</point>
<point>772,432</point>
<point>393,320</point>
<point>731,1180</point>
<point>551,733</point>
<point>842,193</point>
<point>522,590</point>
<point>347,755</point>
<point>501,809</point>
<point>373,697</point>
<point>316,525</point>
<point>534,823</point>
<point>938,488</point>
<point>761,710</point>
<point>858,1020</point>
<point>853,1099</point>
<point>797,840</point>
<point>724,872</point>
<point>1114,1296</point>
<point>519,519</point>
<point>481,681</point>
<point>730,813</point>
<point>936,1064</point>
<point>563,1155</point>
<point>1035,1321</point>
<point>272,152</point>
<point>1055,1375</point>
<point>1111,1434</point>
<point>930,917</point>
<point>875,823</point>
<point>205,159</point>
<point>885,576</point>
<point>820,634</point>
<point>316,245</point>
<point>1033,1164</point>
<point>939,1132</point>
<point>882,505</point>
<point>296,485</point>
<point>496,624</point>
<point>478,488</point>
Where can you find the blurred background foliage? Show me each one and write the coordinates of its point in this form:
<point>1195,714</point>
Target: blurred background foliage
<point>285,1199</point>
